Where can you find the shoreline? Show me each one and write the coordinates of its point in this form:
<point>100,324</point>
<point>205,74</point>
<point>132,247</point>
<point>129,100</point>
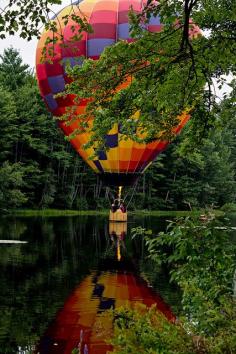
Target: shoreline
<point>66,213</point>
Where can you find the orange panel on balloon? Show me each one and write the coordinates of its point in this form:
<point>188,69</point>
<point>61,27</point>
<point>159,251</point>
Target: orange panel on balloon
<point>125,154</point>
<point>108,5</point>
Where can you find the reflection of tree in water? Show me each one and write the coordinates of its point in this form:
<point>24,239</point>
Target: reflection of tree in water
<point>37,277</point>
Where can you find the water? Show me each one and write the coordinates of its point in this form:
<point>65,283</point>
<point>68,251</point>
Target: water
<point>61,275</point>
<point>48,264</point>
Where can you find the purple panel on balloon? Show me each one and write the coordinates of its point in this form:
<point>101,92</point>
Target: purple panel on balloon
<point>98,165</point>
<point>112,140</point>
<point>56,83</point>
<point>102,155</point>
<point>72,61</point>
<point>123,31</point>
<point>51,102</point>
<point>154,20</point>
<point>96,46</point>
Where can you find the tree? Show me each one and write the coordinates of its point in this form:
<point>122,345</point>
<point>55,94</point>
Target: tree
<point>8,128</point>
<point>172,71</point>
<point>13,73</point>
<point>11,172</point>
<point>11,182</point>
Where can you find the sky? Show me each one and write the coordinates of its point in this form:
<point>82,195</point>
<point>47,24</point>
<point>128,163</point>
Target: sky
<point>26,48</point>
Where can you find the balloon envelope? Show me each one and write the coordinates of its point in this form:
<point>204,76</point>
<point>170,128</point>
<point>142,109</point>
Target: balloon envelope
<point>125,160</point>
<point>85,318</point>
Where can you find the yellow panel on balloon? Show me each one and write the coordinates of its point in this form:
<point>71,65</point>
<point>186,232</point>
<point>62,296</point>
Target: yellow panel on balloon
<point>105,165</point>
<point>110,283</point>
<point>87,320</point>
<point>126,143</point>
<point>86,153</point>
<point>114,165</point>
<point>122,303</point>
<point>122,292</point>
<point>113,156</point>
<point>114,129</point>
<point>139,146</point>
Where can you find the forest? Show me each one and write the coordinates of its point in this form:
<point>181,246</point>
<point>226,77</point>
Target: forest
<point>39,168</point>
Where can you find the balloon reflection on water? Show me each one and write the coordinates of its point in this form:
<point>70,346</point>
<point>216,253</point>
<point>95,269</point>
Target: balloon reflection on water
<point>117,232</point>
<point>85,321</point>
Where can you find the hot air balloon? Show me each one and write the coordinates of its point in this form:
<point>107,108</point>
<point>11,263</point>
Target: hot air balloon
<point>84,322</point>
<point>124,160</point>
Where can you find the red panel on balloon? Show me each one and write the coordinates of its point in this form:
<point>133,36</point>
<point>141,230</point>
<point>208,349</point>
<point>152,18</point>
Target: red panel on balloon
<point>74,49</point>
<point>103,30</point>
<point>103,17</point>
<point>44,87</point>
<point>55,69</point>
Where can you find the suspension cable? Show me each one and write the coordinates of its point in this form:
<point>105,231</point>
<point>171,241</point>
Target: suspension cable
<point>134,189</point>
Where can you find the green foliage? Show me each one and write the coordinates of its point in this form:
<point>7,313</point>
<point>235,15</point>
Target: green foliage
<point>75,351</point>
<point>229,207</point>
<point>201,259</point>
<point>55,212</point>
<point>81,204</point>
<point>169,70</point>
<point>148,331</point>
<point>11,182</point>
<point>25,17</point>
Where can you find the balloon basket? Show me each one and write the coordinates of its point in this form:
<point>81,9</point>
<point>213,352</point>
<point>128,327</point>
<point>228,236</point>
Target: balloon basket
<point>118,216</point>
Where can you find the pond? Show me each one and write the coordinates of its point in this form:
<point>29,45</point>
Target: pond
<point>62,274</point>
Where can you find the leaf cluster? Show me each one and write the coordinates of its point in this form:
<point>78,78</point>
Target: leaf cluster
<point>201,259</point>
<point>146,330</point>
<point>24,17</point>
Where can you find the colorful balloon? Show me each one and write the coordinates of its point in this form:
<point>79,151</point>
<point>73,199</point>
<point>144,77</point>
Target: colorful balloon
<point>84,320</point>
<point>125,160</point>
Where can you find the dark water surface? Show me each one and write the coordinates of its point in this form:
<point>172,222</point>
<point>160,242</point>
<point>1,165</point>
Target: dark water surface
<point>55,288</point>
<point>64,257</point>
